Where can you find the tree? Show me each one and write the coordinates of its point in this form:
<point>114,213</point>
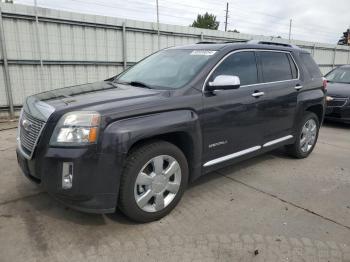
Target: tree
<point>207,21</point>
<point>234,31</point>
<point>345,39</point>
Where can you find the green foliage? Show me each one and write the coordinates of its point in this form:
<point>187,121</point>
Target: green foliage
<point>234,31</point>
<point>345,39</point>
<point>207,21</point>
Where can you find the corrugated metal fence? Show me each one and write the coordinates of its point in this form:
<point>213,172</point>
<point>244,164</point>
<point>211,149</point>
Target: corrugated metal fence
<point>63,48</point>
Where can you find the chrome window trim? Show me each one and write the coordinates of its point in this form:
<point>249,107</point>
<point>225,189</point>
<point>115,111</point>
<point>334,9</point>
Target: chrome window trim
<point>278,140</point>
<point>339,99</point>
<point>231,156</point>
<point>254,50</point>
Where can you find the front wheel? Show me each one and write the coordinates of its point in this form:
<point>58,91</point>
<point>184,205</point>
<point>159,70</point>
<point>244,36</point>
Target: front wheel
<point>307,135</point>
<point>153,181</point>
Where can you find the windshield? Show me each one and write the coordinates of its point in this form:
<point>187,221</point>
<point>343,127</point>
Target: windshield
<point>339,75</point>
<point>167,69</point>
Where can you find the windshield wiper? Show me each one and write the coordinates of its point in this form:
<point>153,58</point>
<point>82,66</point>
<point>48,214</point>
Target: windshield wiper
<point>113,83</point>
<point>132,83</point>
<point>139,84</point>
<point>120,82</point>
<point>337,82</point>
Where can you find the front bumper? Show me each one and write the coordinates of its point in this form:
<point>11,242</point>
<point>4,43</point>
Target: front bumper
<point>95,180</point>
<point>339,114</point>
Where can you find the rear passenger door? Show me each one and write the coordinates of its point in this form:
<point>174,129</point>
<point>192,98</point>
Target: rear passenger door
<point>280,85</point>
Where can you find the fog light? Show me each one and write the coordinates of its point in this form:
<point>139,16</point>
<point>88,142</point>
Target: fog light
<point>67,175</point>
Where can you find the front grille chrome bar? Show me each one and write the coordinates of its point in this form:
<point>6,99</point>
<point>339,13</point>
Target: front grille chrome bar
<point>29,132</point>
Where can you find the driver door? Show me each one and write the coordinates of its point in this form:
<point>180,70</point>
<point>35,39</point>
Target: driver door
<point>231,119</point>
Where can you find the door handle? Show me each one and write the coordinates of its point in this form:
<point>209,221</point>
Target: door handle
<point>298,87</point>
<point>258,94</point>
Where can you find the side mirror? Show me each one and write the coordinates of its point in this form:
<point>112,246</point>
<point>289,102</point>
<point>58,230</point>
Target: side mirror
<point>224,82</point>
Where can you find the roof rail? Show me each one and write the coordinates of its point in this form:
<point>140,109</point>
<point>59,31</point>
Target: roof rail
<point>271,43</point>
<point>206,42</point>
<point>222,42</point>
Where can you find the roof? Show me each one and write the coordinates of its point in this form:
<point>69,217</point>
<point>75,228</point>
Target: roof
<point>215,46</point>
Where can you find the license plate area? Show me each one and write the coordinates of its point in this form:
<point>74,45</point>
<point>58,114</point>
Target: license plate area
<point>23,164</point>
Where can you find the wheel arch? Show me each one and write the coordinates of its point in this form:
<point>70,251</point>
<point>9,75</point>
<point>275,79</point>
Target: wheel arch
<point>183,140</point>
<point>311,101</point>
<point>317,110</point>
<point>180,128</point>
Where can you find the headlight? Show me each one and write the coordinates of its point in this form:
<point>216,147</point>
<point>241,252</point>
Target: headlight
<point>76,128</point>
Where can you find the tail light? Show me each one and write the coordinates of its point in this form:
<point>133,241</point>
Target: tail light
<point>324,82</point>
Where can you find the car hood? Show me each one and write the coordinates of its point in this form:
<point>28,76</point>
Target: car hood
<point>95,96</point>
<point>338,89</point>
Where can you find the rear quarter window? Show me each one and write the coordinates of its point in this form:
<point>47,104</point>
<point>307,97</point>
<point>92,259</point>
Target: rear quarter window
<point>276,66</point>
<point>310,65</point>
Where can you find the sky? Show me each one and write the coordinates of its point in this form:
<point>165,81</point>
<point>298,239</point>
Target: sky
<point>312,20</point>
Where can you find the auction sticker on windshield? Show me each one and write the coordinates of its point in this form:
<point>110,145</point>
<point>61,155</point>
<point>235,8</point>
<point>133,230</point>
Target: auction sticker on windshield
<point>203,52</point>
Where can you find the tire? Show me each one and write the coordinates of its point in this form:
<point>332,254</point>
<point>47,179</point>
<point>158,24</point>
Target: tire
<point>155,173</point>
<point>297,149</point>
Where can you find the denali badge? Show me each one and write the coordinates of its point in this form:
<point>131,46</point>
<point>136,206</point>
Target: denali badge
<point>27,125</point>
<point>218,144</point>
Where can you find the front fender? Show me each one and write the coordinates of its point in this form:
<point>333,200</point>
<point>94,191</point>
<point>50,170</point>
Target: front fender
<point>120,136</point>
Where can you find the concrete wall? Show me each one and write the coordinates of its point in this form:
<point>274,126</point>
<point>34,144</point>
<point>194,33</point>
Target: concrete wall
<point>67,48</point>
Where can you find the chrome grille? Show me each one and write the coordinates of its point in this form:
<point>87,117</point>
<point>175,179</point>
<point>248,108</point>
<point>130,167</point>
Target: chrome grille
<point>29,132</point>
<point>338,102</point>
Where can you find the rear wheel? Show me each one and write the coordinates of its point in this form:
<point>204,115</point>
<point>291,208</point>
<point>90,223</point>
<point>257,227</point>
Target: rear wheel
<point>153,181</point>
<point>306,136</point>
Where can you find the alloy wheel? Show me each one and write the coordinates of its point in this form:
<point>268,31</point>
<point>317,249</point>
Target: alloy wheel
<point>157,183</point>
<point>308,135</point>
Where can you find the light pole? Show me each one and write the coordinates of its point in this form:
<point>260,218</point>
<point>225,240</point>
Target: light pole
<point>226,16</point>
<point>290,29</point>
<point>158,25</point>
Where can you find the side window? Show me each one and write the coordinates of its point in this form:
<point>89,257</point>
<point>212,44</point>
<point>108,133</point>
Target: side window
<point>310,65</point>
<point>241,64</point>
<point>275,66</point>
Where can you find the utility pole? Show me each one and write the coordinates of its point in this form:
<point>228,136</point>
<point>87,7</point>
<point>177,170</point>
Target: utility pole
<point>37,31</point>
<point>158,25</point>
<point>37,34</point>
<point>6,68</point>
<point>226,16</point>
<point>290,29</point>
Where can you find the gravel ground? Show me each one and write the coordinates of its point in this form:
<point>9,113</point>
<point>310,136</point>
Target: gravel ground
<point>270,208</point>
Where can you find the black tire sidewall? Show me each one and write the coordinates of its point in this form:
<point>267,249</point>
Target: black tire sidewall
<point>135,162</point>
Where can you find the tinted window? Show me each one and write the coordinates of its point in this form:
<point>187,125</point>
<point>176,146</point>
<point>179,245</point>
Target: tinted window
<point>242,64</point>
<point>275,66</point>
<point>310,65</point>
